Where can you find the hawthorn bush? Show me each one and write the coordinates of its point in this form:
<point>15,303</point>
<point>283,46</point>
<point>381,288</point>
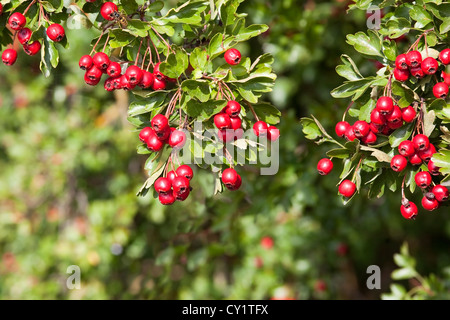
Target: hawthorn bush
<point>70,183</point>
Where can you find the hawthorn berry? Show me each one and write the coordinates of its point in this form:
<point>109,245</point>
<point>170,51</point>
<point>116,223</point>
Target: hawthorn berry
<point>185,171</point>
<point>125,84</point>
<point>273,133</point>
<point>171,175</point>
<point>377,118</point>
<point>429,202</point>
<point>341,127</point>
<point>230,178</point>
<point>401,75</point>
<point>222,121</point>
<point>400,62</point>
<point>232,56</point>
<point>24,35</point>
<point>109,84</point>
<point>134,75</point>
<point>444,56</point>
<point>406,148</point>
<point>426,154</point>
<point>422,179</point>
<point>350,134</point>
<point>180,185</point>
<point>17,21</point>
<point>395,116</point>
<point>86,62</point>
<point>384,105</point>
<point>116,82</point>
<point>361,128</point>
<point>370,138</point>
<point>101,60</point>
<point>429,65</point>
<point>113,69</point>
<point>158,84</point>
<point>440,90</point>
<point>9,57</point>
<point>177,139</point>
<point>108,10</point>
<point>408,114</point>
<point>398,163</point>
<point>324,166</point>
<point>159,122</point>
<point>167,198</point>
<point>91,81</point>
<point>233,108</point>
<point>183,196</point>
<point>376,128</point>
<point>157,74</point>
<point>32,48</point>
<point>237,185</point>
<point>153,143</point>
<point>164,134</point>
<point>417,72</point>
<point>145,133</point>
<point>267,242</point>
<point>413,59</point>
<point>415,159</point>
<point>440,192</point>
<point>226,135</point>
<point>433,169</point>
<point>56,32</point>
<point>260,128</point>
<point>236,123</point>
<point>421,142</point>
<point>347,188</point>
<point>94,73</point>
<point>409,211</point>
<point>446,77</point>
<point>147,80</point>
<point>163,185</point>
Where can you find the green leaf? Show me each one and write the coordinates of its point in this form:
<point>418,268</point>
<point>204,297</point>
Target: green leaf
<point>156,6</point>
<point>49,56</point>
<point>267,113</point>
<point>348,70</point>
<point>442,160</point>
<point>203,111</point>
<point>310,128</point>
<point>138,28</point>
<point>350,88</point>
<point>340,153</point>
<point>403,273</point>
<point>198,58</point>
<point>189,13</point>
<point>119,38</point>
<point>250,32</point>
<point>199,89</point>
<point>421,16</point>
<point>401,134</point>
<point>368,44</point>
<point>154,100</point>
<point>445,26</point>
<point>175,65</point>
<point>218,45</point>
<point>397,27</point>
<point>228,11</point>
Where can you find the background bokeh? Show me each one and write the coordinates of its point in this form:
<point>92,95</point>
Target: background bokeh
<point>69,174</point>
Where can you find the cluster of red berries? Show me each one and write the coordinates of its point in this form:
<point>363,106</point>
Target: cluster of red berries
<point>411,63</point>
<point>161,133</point>
<point>346,188</point>
<point>17,22</point>
<point>175,186</point>
<point>417,151</point>
<point>229,122</point>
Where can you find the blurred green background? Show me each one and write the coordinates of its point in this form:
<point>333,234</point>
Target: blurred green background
<point>69,173</point>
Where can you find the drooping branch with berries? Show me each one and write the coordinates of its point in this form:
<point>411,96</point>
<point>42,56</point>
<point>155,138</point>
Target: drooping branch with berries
<point>400,134</point>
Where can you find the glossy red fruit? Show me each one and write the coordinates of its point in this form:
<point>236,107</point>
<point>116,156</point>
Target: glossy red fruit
<point>324,166</point>
<point>430,203</point>
<point>398,163</point>
<point>164,134</point>
<point>230,177</point>
<point>167,198</point>
<point>101,60</point>
<point>91,81</point>
<point>9,57</point>
<point>32,48</point>
<point>395,125</point>
<point>273,133</point>
<point>183,196</point>
<point>415,160</point>
<point>395,116</point>
<point>233,108</point>
<point>421,142</point>
<point>433,169</point>
<point>222,121</point>
<point>94,73</point>
<point>440,90</point>
<point>56,32</point>
<point>147,80</point>
<point>361,129</point>
<point>114,69</point>
<point>163,185</point>
<point>384,105</point>
<point>376,128</point>
<point>24,35</point>
<point>371,138</point>
<point>444,56</point>
<point>226,135</point>
<point>429,65</point>
<point>180,185</point>
<point>116,82</point>
<point>267,242</point>
<point>154,144</point>
<point>426,155</point>
<point>1,9</point>
<point>423,179</point>
<point>347,188</point>
<point>125,84</point>
<point>406,148</point>
<point>158,74</point>
<point>171,175</point>
<point>177,139</point>
<point>401,75</point>
<point>232,56</point>
<point>109,84</point>
<point>408,114</point>
<point>185,171</point>
<point>237,185</point>
<point>413,59</point>
<point>386,130</point>
<point>409,211</point>
<point>108,10</point>
<point>446,77</point>
<point>158,84</point>
<point>440,192</point>
<point>239,133</point>
<point>350,134</point>
<point>417,72</point>
<point>134,74</point>
<point>17,21</point>
<point>85,62</point>
<point>236,123</point>
<point>260,128</point>
<point>400,62</point>
<point>145,133</point>
<point>160,122</point>
<point>341,127</point>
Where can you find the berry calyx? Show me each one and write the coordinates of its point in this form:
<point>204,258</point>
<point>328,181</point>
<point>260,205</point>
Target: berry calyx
<point>94,73</point>
<point>114,69</point>
<point>108,10</point>
<point>260,128</point>
<point>422,179</point>
<point>180,185</point>
<point>17,21</point>
<point>232,56</point>
<point>433,169</point>
<point>324,166</point>
<point>56,32</point>
<point>167,198</point>
<point>85,62</point>
<point>398,163</point>
<point>361,128</point>
<point>409,211</point>
<point>427,154</point>
<point>406,148</point>
<point>350,134</point>
<point>134,75</point>
<point>400,62</point>
<point>440,90</point>
<point>417,72</point>
<point>440,192</point>
<point>347,188</point>
<point>32,48</point>
<point>160,123</point>
<point>395,116</point>
<point>9,57</point>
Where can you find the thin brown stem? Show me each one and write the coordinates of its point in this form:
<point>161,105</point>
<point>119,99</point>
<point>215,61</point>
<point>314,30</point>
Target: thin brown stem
<point>106,42</point>
<point>137,55</point>
<point>26,10</point>
<point>252,110</point>
<point>95,45</point>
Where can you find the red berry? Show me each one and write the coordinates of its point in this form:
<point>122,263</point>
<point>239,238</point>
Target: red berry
<point>430,203</point>
<point>417,72</point>
<point>91,81</point>
<point>232,56</point>
<point>400,62</point>
<point>158,84</point>
<point>157,74</point>
<point>324,166</point>
<point>233,108</point>
<point>109,84</point>
<point>147,80</point>
<point>422,179</point>
<point>101,60</point>
<point>163,185</point>
<point>413,59</point>
<point>86,62</point>
<point>394,125</point>
<point>171,175</point>
<point>125,84</point>
<point>377,118</point>
<point>154,144</point>
<point>177,139</point>
<point>444,56</point>
<point>24,35</point>
<point>440,90</point>
<point>267,243</point>
<point>94,73</point>
<point>408,114</point>
<point>236,123</point>
<point>401,75</point>
<point>260,128</point>
<point>185,171</point>
<point>226,135</point>
<point>371,138</point>
<point>180,185</point>
<point>56,32</point>
<point>230,177</point>
<point>164,134</point>
<point>421,142</point>
<point>385,105</point>
<point>415,159</point>
<point>398,163</point>
<point>409,211</point>
<point>167,198</point>
<point>347,188</point>
<point>361,129</point>
<point>406,148</point>
<point>376,128</point>
<point>341,128</point>
<point>183,196</point>
<point>114,69</point>
<point>134,75</point>
<point>239,133</point>
<point>273,133</point>
<point>145,133</point>
<point>9,57</point>
<point>433,169</point>
<point>160,123</point>
<point>17,21</point>
<point>222,121</point>
<point>429,65</point>
<point>32,48</point>
<point>395,116</point>
<point>1,9</point>
<point>446,77</point>
<point>440,192</point>
<point>350,134</point>
<point>109,10</point>
<point>426,154</point>
<point>237,185</point>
